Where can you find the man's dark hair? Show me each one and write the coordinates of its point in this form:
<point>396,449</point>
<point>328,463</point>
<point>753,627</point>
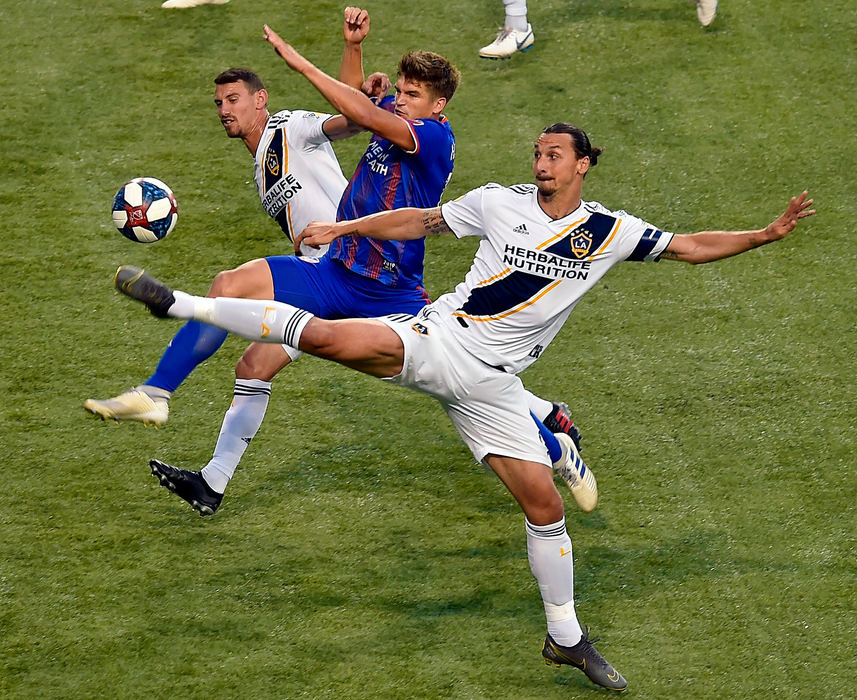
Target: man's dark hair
<point>245,75</point>
<point>431,69</point>
<point>579,139</point>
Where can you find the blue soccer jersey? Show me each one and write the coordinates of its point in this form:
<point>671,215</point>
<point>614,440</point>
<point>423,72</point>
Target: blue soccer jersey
<point>388,177</point>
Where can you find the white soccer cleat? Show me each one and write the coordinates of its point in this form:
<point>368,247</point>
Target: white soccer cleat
<point>132,405</point>
<point>508,42</point>
<point>181,4</point>
<point>576,474</point>
<point>706,11</point>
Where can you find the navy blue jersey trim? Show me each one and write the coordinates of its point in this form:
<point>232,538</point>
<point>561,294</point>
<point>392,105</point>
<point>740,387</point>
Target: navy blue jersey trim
<point>647,243</point>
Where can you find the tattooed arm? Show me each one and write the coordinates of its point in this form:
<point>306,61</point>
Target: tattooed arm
<point>708,246</point>
<point>396,225</point>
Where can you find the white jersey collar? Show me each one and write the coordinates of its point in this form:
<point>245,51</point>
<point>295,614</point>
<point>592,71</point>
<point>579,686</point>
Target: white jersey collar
<point>575,213</point>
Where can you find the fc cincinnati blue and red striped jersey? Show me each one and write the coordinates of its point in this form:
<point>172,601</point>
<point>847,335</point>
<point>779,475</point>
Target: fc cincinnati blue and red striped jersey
<point>388,177</point>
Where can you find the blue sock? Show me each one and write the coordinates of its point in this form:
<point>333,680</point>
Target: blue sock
<point>554,450</point>
<point>191,346</point>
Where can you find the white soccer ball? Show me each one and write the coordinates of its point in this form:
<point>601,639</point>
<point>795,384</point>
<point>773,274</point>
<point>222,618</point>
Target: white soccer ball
<point>145,210</point>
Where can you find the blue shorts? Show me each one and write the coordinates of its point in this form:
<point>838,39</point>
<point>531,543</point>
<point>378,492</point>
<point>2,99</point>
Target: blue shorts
<point>328,289</point>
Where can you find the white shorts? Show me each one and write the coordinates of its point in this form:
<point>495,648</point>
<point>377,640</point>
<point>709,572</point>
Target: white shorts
<point>487,406</point>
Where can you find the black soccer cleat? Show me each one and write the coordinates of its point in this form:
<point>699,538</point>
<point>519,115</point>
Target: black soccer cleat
<point>559,421</point>
<point>140,285</point>
<point>585,657</point>
<point>188,485</point>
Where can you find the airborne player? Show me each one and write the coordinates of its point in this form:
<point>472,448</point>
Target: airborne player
<point>466,349</point>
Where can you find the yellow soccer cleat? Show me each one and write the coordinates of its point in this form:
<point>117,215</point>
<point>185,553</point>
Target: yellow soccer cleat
<point>134,405</point>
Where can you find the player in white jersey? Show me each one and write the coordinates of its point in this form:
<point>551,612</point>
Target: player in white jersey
<point>541,250</point>
<point>531,270</point>
<point>297,173</point>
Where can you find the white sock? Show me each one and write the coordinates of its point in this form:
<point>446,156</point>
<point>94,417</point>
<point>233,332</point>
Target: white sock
<point>184,305</point>
<point>539,407</point>
<point>516,14</point>
<point>254,319</point>
<point>549,552</point>
<point>240,425</point>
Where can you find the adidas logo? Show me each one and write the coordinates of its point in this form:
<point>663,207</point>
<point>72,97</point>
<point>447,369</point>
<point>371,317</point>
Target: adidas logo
<point>521,229</point>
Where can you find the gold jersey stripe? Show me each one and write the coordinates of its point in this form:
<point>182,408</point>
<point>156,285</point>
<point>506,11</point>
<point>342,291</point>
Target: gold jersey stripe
<point>495,277</point>
<point>562,233</point>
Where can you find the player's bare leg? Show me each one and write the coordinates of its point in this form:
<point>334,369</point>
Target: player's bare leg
<point>364,344</point>
<point>252,280</point>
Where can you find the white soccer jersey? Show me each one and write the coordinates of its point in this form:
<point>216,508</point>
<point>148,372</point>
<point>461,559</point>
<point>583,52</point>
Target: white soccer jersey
<point>297,173</point>
<point>530,271</point>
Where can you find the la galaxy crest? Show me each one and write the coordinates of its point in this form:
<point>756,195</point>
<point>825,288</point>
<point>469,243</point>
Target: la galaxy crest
<point>272,162</point>
<point>581,243</point>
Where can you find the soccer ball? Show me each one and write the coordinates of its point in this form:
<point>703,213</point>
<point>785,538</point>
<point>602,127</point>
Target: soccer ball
<point>145,210</point>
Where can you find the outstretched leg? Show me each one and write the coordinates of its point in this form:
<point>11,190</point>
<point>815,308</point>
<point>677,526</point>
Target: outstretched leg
<point>195,342</point>
<point>366,345</point>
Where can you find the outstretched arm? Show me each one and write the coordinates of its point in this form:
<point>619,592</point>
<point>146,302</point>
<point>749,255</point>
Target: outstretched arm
<point>707,246</point>
<point>345,99</point>
<point>394,225</point>
<point>355,29</point>
<point>340,127</point>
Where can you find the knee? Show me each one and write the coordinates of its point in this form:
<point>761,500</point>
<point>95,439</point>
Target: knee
<point>251,280</point>
<point>318,338</point>
<point>255,365</point>
<point>227,284</point>
<point>547,510</point>
<point>222,285</point>
<point>543,506</point>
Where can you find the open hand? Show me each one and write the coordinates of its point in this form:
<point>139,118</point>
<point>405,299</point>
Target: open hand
<point>797,209</point>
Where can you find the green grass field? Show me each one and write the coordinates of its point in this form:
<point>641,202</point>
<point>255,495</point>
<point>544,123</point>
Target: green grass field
<point>360,553</point>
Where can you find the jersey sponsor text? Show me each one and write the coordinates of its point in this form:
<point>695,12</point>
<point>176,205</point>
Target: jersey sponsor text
<point>280,194</point>
<point>543,264</point>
